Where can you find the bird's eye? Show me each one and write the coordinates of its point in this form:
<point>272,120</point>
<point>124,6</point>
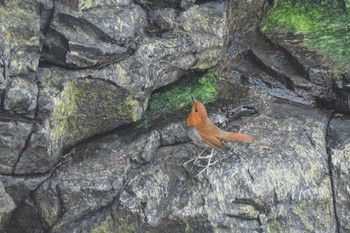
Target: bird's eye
<point>196,110</point>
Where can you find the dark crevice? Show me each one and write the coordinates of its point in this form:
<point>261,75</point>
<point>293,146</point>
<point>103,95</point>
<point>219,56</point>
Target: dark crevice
<point>25,147</point>
<point>199,2</point>
<point>38,84</point>
<point>241,217</point>
<point>10,117</point>
<point>295,63</point>
<point>297,66</point>
<point>287,82</point>
<point>61,209</point>
<point>100,79</point>
<point>247,201</point>
<point>2,98</point>
<point>3,64</point>
<point>30,194</point>
<point>251,175</point>
<point>331,173</point>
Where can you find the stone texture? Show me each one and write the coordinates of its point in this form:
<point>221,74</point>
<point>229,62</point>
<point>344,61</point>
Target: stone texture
<point>13,137</point>
<point>21,96</point>
<point>339,147</point>
<point>278,182</point>
<point>35,159</point>
<point>7,206</point>
<point>96,37</point>
<point>19,40</point>
<point>72,158</point>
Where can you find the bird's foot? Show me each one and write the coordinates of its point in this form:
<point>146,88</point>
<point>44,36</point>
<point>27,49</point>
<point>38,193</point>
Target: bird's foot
<point>199,157</point>
<point>209,157</point>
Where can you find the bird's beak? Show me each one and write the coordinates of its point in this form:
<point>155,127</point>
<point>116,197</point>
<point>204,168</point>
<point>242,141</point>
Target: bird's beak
<point>194,99</point>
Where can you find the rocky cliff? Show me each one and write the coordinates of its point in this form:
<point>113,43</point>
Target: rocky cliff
<point>76,75</point>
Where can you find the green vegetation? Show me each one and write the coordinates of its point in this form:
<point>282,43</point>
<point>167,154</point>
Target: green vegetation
<point>324,24</point>
<point>179,96</point>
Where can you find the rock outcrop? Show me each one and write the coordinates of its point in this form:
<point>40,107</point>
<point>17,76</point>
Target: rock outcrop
<point>76,75</point>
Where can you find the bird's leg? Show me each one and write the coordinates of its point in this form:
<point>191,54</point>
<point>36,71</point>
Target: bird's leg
<point>209,163</point>
<point>197,158</point>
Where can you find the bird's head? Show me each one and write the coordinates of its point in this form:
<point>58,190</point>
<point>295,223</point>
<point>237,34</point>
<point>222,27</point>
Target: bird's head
<point>197,116</point>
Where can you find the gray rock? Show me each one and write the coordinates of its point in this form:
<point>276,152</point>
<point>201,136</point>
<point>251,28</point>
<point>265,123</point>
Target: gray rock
<point>245,196</point>
<point>7,206</point>
<point>21,96</point>
<point>35,158</point>
<point>173,133</point>
<point>154,4</point>
<point>19,40</point>
<point>339,149</point>
<point>152,144</point>
<point>317,68</point>
<point>321,77</point>
<point>278,182</point>
<point>79,165</point>
<point>96,37</point>
<point>91,179</point>
<point>13,137</point>
<point>21,186</point>
<point>89,106</point>
<point>163,19</point>
<point>205,24</point>
<point>25,219</point>
<point>82,5</point>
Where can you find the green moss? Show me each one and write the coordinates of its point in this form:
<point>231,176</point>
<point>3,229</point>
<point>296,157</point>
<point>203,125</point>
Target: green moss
<point>179,96</point>
<point>325,26</point>
<point>65,113</point>
<point>104,227</point>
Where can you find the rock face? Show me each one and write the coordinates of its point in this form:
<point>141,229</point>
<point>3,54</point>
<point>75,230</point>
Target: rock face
<point>75,76</point>
<point>339,146</point>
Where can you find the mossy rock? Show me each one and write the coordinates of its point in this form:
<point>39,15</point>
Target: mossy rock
<point>88,106</point>
<point>325,26</point>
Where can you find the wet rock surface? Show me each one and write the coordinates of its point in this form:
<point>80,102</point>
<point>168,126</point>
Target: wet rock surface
<point>75,76</point>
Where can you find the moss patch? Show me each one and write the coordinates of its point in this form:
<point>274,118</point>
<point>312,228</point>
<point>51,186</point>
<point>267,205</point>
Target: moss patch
<point>204,89</point>
<point>325,26</point>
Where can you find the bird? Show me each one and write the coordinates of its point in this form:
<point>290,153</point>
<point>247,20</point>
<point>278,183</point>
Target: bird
<point>203,131</point>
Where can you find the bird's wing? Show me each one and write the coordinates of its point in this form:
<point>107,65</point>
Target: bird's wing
<point>214,142</point>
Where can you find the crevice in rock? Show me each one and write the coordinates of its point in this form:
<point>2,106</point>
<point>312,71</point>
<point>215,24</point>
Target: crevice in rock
<point>143,208</point>
<point>61,209</point>
<point>241,217</point>
<point>295,63</point>
<point>247,201</point>
<point>3,64</point>
<point>286,81</point>
<point>36,113</point>
<point>199,2</point>
<point>331,173</point>
<point>298,67</point>
<point>100,79</point>
<point>2,98</point>
<point>46,17</point>
<point>25,147</point>
<point>10,117</point>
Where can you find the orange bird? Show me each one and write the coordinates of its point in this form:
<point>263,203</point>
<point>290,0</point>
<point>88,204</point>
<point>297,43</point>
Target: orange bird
<point>204,131</point>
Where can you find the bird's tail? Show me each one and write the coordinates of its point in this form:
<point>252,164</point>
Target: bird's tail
<point>229,136</point>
